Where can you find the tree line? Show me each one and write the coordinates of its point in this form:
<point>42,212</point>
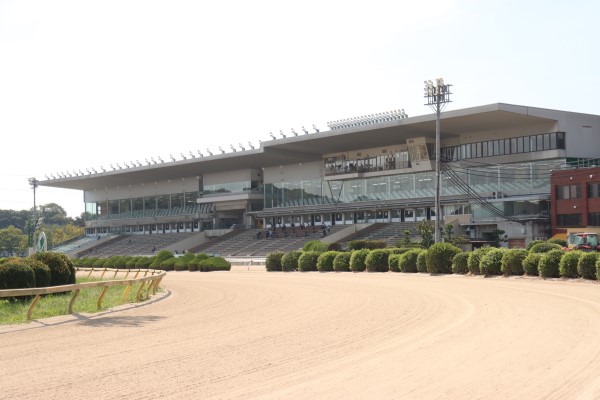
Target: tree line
<point>17,228</point>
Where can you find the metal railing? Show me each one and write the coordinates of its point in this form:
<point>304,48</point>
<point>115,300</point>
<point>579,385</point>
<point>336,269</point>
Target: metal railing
<point>153,280</point>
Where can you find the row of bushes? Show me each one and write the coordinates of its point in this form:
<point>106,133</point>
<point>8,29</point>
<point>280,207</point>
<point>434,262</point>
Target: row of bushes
<point>164,260</point>
<point>38,270</point>
<point>543,259</point>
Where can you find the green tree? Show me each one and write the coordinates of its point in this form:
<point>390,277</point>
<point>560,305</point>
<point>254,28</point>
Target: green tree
<point>426,230</point>
<point>53,214</point>
<point>12,240</point>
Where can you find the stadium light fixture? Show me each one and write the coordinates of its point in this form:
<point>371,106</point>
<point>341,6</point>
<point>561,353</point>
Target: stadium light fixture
<point>160,159</point>
<point>200,153</point>
<point>282,134</point>
<point>251,145</point>
<point>272,136</point>
<point>242,147</point>
<point>294,132</point>
<point>315,128</point>
<point>437,96</point>
<point>209,152</point>
<point>192,154</point>
<point>304,130</point>
<point>182,156</point>
<point>221,149</point>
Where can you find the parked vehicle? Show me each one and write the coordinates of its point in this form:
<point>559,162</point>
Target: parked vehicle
<point>583,241</point>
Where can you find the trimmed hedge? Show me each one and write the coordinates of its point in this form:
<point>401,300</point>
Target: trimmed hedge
<point>475,258</point>
<point>549,263</point>
<point>530,264</point>
<point>181,263</point>
<point>325,261</point>
<point>408,260</point>
<point>273,261</point>
<point>342,262</point>
<point>560,242</point>
<point>367,244</point>
<point>357,260</point>
<point>315,245</point>
<point>41,271</point>
<point>394,262</point>
<point>62,271</point>
<point>16,275</point>
<point>214,264</point>
<point>568,264</point>
<point>459,263</point>
<point>144,262</point>
<point>439,258</point>
<point>491,262</point>
<point>289,261</point>
<point>422,261</point>
<point>377,261</point>
<point>533,243</point>
<point>544,247</point>
<point>161,256</point>
<point>512,262</point>
<point>586,267</point>
<point>308,261</point>
<point>169,264</point>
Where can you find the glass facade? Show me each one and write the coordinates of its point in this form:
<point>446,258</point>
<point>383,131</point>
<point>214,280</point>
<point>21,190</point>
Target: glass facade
<point>515,178</point>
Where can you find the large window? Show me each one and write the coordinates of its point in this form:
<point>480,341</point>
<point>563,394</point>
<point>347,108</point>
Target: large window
<point>568,192</point>
<point>568,219</point>
<point>499,147</point>
<point>594,219</point>
<point>593,189</point>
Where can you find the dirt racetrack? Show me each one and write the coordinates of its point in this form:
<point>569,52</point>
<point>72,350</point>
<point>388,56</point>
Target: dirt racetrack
<point>252,334</point>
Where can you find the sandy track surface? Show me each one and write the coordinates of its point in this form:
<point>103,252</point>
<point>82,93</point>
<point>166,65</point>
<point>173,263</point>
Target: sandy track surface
<point>248,334</point>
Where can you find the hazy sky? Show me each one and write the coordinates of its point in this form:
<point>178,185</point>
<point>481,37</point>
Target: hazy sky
<point>92,83</point>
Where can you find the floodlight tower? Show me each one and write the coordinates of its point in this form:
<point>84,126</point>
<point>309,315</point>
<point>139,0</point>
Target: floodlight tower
<point>437,96</point>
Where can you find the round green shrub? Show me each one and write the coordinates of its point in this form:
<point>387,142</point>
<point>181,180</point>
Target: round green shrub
<point>408,260</point>
<point>377,261</point>
<point>530,264</point>
<point>560,242</point>
<point>99,263</point>
<point>289,261</point>
<point>475,258</point>
<point>181,263</point>
<point>315,245</point>
<point>88,262</point>
<point>325,261</point>
<point>16,275</point>
<point>77,262</point>
<point>342,262</point>
<point>366,244</point>
<point>549,263</point>
<point>459,263</point>
<point>214,264</point>
<point>357,260</point>
<point>161,256</point>
<point>512,262</point>
<point>491,262</point>
<point>422,261</point>
<point>544,247</point>
<point>273,261</point>
<point>568,264</point>
<point>439,258</point>
<point>130,264</point>
<point>62,271</point>
<point>144,262</point>
<point>394,262</point>
<point>40,270</point>
<point>586,267</point>
<point>533,243</point>
<point>169,264</point>
<point>193,265</point>
<point>308,260</point>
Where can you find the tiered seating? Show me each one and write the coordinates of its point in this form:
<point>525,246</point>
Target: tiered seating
<point>74,245</point>
<point>247,243</point>
<point>137,244</point>
<point>391,233</point>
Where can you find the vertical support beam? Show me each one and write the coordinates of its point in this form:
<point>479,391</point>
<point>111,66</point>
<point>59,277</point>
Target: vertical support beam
<point>32,306</point>
<point>437,170</point>
<point>99,303</point>
<point>72,302</point>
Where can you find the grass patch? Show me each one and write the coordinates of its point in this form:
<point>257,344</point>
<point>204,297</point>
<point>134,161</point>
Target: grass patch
<point>52,305</point>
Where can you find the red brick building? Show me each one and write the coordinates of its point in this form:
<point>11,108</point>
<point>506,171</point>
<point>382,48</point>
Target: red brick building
<point>575,195</point>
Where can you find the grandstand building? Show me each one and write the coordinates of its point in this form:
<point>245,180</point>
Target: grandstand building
<point>496,164</point>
